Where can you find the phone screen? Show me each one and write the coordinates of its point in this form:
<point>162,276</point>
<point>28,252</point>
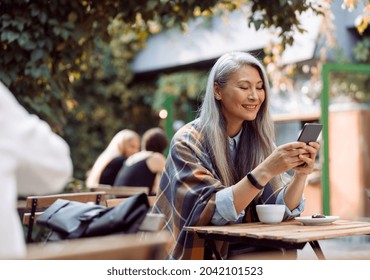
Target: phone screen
<point>310,132</point>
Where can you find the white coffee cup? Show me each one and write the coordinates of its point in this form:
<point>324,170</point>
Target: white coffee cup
<point>270,213</point>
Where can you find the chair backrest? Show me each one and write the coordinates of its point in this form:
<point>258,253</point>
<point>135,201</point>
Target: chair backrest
<point>120,191</point>
<point>109,247</point>
<point>36,204</point>
<point>152,222</point>
<point>111,202</point>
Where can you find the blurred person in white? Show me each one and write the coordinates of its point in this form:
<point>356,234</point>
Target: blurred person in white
<point>33,161</point>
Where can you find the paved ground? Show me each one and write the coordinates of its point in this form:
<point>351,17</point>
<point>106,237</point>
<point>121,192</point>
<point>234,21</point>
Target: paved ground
<point>347,248</point>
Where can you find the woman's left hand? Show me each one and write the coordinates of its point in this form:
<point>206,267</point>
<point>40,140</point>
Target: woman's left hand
<point>309,159</point>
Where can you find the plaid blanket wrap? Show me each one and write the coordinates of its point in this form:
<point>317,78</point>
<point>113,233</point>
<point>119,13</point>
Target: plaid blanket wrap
<point>186,195</point>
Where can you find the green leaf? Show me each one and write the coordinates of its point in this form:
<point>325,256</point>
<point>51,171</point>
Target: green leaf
<point>5,22</point>
<point>44,71</point>
<point>23,39</point>
<point>9,36</point>
<point>4,77</point>
<point>282,2</point>
<point>258,24</point>
<point>56,30</point>
<point>19,25</point>
<point>53,22</point>
<point>41,43</point>
<point>69,25</point>
<point>36,73</point>
<point>34,10</point>
<point>5,18</point>
<point>43,17</point>
<point>65,33</point>
<point>151,5</point>
<point>37,54</point>
<point>49,44</point>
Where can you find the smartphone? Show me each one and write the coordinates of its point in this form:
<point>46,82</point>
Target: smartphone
<point>310,132</point>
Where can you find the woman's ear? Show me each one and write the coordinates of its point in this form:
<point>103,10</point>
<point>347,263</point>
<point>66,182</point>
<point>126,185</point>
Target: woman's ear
<point>217,91</point>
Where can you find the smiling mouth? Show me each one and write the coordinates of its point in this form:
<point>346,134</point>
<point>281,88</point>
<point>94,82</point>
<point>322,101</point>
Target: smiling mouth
<point>249,106</point>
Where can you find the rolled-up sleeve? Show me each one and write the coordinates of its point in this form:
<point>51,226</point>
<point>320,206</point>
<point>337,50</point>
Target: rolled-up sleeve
<point>225,210</point>
<point>290,214</point>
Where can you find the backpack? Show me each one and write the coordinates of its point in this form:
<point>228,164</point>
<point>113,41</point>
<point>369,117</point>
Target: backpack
<point>72,219</point>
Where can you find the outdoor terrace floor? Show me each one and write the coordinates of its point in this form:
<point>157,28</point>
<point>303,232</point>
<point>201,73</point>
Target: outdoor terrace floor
<point>346,248</point>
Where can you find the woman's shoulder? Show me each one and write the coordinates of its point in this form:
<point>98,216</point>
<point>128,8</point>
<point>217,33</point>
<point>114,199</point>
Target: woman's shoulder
<point>118,160</point>
<point>156,162</point>
<point>139,156</point>
<point>189,132</point>
<point>157,156</point>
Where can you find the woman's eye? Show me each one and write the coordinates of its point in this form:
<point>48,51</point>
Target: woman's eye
<point>244,88</point>
<point>259,88</point>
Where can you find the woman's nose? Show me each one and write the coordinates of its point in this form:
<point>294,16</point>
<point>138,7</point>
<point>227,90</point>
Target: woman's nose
<point>253,95</point>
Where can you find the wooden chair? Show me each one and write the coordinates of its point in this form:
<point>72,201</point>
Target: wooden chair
<point>110,247</point>
<point>36,204</point>
<point>120,191</point>
<point>153,222</point>
<point>111,202</point>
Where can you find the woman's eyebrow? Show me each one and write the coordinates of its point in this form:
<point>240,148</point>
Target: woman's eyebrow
<point>249,82</point>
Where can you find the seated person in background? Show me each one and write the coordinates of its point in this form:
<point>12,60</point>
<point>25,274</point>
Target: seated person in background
<point>105,169</point>
<point>145,167</point>
<point>33,161</point>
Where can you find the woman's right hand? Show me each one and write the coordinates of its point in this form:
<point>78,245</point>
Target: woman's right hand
<point>282,159</point>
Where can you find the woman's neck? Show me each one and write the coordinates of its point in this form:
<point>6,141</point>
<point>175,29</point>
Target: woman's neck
<point>233,129</point>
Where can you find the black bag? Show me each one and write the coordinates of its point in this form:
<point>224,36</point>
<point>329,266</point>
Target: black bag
<point>72,219</point>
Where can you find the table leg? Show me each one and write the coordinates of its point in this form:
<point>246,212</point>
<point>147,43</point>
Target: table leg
<point>210,244</point>
<point>290,254</point>
<point>317,249</point>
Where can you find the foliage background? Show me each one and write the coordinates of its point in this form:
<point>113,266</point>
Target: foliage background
<point>69,61</point>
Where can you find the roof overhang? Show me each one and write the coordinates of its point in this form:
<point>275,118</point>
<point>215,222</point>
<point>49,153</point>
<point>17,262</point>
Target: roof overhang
<point>209,39</point>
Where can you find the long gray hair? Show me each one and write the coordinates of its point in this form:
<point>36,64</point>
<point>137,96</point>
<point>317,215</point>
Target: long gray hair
<point>258,136</point>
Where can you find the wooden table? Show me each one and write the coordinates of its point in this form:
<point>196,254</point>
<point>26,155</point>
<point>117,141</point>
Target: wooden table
<point>285,235</point>
<point>140,246</point>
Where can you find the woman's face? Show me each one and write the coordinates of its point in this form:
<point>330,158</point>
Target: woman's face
<point>241,98</point>
<point>131,147</point>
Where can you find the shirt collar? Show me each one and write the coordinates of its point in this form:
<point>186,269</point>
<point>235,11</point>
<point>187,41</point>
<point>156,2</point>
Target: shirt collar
<point>236,138</point>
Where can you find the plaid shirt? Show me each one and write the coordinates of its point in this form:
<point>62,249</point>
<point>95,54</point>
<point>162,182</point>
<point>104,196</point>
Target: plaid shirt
<point>187,193</point>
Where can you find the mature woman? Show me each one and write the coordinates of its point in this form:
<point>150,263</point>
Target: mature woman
<point>105,169</point>
<point>224,163</point>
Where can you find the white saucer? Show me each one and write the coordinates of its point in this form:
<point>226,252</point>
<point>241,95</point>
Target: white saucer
<point>309,221</point>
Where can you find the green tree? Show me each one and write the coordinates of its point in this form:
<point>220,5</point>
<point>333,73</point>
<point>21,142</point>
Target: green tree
<point>68,61</point>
